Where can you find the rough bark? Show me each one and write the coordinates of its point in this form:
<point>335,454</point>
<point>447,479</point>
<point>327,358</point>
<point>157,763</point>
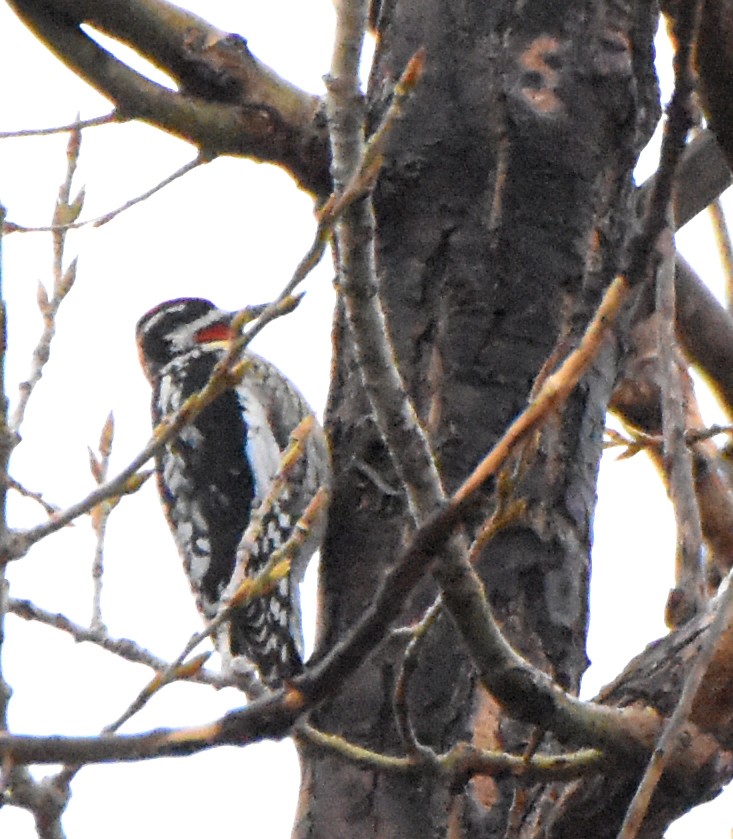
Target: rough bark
<point>595,805</point>
<point>503,212</point>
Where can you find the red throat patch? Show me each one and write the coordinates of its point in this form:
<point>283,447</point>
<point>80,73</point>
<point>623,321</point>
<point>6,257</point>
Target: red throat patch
<point>215,332</point>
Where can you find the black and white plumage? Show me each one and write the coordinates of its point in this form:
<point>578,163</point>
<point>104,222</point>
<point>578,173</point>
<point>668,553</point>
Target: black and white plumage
<point>213,476</point>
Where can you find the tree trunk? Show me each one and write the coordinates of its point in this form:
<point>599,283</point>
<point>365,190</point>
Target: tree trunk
<point>502,214</point>
<point>505,207</point>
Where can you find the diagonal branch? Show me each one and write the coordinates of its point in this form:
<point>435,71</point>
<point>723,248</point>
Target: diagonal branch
<point>704,327</point>
<point>714,63</point>
<point>105,218</point>
<point>705,331</point>
<point>67,210</point>
<point>688,596</point>
<point>229,102</point>
<point>122,647</point>
<point>525,692</point>
<point>77,125</point>
<point>529,694</point>
<point>227,372</point>
<point>461,762</point>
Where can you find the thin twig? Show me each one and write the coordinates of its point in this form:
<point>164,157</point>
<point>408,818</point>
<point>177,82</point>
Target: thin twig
<point>687,598</point>
<point>725,247</point>
<point>554,390</point>
<point>243,589</point>
<point>77,125</point>
<point>409,663</point>
<point>639,440</point>
<point>51,509</point>
<point>42,350</point>
<point>361,181</point>
<point>7,442</point>
<point>227,372</point>
<point>679,122</point>
<point>121,647</point>
<point>660,196</point>
<point>98,221</point>
<point>463,761</point>
<point>100,516</point>
<point>668,740</point>
<point>65,210</point>
<point>175,671</point>
<point>394,413</point>
<point>46,801</point>
<point>511,679</point>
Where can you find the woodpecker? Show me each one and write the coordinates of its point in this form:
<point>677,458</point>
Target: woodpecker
<point>213,476</point>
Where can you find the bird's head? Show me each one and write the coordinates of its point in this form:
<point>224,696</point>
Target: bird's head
<point>176,327</point>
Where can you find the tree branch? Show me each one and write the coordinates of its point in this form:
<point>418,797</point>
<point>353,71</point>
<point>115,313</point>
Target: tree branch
<point>462,762</point>
<point>702,175</point>
<point>66,210</point>
<point>705,330</point>
<point>227,372</point>
<point>525,692</point>
<point>229,102</point>
<point>704,327</point>
<point>714,63</point>
<point>77,125</point>
<point>688,596</point>
<point>7,443</point>
<point>122,647</point>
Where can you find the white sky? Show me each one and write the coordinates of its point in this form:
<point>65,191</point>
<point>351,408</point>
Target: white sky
<point>232,231</point>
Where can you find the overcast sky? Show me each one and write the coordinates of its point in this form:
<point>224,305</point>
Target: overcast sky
<point>231,231</point>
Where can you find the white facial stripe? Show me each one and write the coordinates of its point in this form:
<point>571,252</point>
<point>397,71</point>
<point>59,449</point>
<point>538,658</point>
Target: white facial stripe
<point>182,338</point>
<point>150,324</point>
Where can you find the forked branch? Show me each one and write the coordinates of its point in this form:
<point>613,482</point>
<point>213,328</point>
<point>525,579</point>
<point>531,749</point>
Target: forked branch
<point>227,101</point>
